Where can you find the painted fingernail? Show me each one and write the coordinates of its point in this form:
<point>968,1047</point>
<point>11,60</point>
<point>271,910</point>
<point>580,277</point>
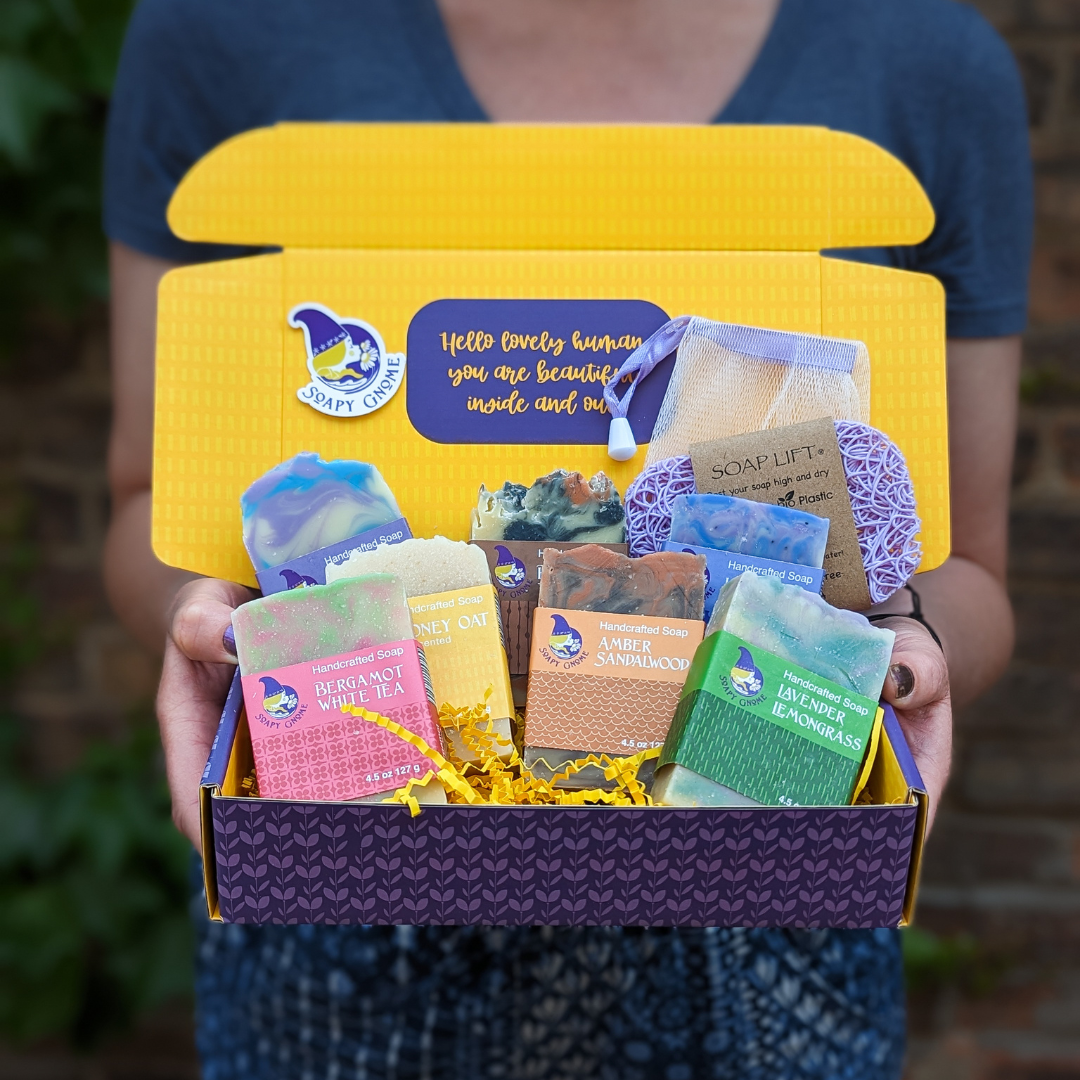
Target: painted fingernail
<point>228,639</point>
<point>904,678</point>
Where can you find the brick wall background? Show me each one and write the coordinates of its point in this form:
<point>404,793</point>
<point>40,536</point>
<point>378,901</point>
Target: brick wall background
<point>1004,863</point>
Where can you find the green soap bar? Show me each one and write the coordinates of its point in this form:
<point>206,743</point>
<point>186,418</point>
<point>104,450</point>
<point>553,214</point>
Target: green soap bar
<point>676,785</point>
<point>798,626</point>
<point>321,620</point>
<point>754,757</point>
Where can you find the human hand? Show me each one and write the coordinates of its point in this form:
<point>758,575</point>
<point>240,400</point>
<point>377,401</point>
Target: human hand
<point>195,679</point>
<point>917,687</point>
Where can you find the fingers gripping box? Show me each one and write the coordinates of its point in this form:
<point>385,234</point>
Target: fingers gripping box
<point>461,333</point>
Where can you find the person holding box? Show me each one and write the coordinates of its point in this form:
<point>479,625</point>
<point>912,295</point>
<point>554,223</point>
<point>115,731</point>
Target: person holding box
<point>929,81</point>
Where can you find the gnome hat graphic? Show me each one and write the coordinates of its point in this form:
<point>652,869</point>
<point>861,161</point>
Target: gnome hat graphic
<point>321,331</point>
<point>509,569</point>
<point>564,640</point>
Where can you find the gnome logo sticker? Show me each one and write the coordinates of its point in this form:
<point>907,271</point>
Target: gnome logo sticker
<point>564,641</point>
<point>746,675</point>
<point>352,374</point>
<point>278,701</point>
<point>509,569</point>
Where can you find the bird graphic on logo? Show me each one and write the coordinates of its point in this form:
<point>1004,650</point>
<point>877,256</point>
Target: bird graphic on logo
<point>344,355</point>
<point>564,640</point>
<point>278,701</point>
<point>745,675</point>
<point>509,570</point>
<point>293,580</point>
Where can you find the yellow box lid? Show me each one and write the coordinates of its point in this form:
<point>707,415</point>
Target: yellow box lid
<point>378,220</point>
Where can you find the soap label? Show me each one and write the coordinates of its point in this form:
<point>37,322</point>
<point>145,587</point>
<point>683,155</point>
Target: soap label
<point>799,467</point>
<point>462,640</point>
<point>351,372</point>
<point>515,567</point>
<point>527,371</point>
<point>310,569</point>
<point>619,646</point>
<point>306,748</point>
<point>601,683</point>
<point>769,729</point>
<point>722,566</point>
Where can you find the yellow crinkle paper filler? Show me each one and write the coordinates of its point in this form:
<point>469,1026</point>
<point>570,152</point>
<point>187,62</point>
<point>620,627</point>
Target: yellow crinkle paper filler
<point>491,779</point>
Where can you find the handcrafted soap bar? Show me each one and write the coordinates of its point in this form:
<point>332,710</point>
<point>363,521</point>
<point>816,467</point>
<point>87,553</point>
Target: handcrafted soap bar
<point>750,528</point>
<point>612,640</point>
<point>306,504</point>
<point>424,566</point>
<point>665,584</point>
<point>325,620</point>
<point>303,655</point>
<point>676,785</point>
<point>515,572</point>
<point>560,506</point>
<point>455,616</point>
<point>722,566</point>
<point>799,626</point>
<point>780,703</point>
<point>602,684</point>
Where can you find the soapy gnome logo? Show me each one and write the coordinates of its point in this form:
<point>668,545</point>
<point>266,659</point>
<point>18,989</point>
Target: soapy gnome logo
<point>278,701</point>
<point>293,580</point>
<point>352,374</point>
<point>509,570</point>
<point>564,641</point>
<point>745,675</point>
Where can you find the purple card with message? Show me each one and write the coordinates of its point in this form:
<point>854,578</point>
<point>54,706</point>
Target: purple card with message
<point>526,371</point>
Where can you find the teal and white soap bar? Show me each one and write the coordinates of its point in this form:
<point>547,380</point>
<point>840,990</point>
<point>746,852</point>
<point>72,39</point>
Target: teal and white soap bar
<point>779,704</point>
<point>799,626</point>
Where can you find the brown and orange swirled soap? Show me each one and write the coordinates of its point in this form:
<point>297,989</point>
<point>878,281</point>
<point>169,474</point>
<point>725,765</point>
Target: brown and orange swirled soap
<point>664,584</point>
<point>612,641</point>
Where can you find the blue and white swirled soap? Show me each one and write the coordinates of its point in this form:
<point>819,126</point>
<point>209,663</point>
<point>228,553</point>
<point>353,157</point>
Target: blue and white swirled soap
<point>765,531</point>
<point>306,504</point>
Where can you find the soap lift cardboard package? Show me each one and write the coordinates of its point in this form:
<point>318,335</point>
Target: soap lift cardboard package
<point>662,216</point>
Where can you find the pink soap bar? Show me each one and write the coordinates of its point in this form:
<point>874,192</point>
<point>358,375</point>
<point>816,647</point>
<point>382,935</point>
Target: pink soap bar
<point>303,655</point>
<point>305,747</point>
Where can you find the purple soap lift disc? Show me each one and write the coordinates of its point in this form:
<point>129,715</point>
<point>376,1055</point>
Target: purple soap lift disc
<point>649,500</point>
<point>879,485</point>
<point>883,505</point>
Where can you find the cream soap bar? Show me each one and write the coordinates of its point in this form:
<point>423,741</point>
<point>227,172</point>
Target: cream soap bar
<point>561,506</point>
<point>455,616</point>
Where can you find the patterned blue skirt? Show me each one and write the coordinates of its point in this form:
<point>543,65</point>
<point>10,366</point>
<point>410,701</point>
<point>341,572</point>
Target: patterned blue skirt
<point>547,1003</point>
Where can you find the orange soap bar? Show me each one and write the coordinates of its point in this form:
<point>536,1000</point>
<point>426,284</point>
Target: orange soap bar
<point>665,584</point>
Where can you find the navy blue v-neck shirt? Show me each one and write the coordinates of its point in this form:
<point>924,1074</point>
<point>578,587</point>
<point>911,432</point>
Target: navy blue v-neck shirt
<point>928,80</point>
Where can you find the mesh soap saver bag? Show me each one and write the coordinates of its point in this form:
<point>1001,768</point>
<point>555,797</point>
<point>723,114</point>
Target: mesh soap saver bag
<point>731,379</point>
